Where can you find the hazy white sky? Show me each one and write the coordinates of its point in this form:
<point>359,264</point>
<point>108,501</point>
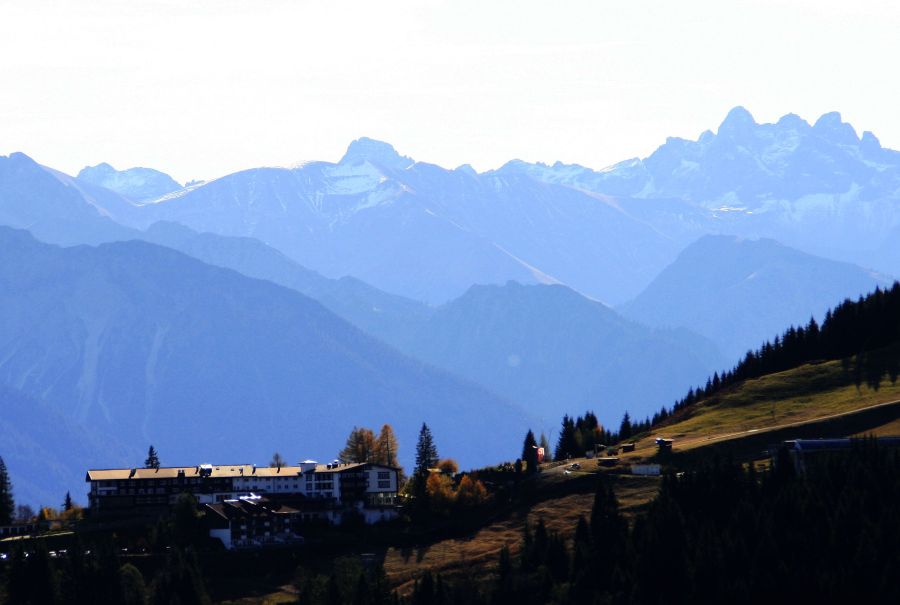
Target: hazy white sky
<point>200,88</point>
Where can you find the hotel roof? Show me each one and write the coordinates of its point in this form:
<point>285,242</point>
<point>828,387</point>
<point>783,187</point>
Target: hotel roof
<point>214,471</point>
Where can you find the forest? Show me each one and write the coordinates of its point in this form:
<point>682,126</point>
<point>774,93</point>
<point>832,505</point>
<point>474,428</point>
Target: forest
<point>725,532</point>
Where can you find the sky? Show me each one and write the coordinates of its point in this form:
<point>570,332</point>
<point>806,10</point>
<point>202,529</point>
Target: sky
<point>202,88</point>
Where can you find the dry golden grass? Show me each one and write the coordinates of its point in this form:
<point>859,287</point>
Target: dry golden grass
<point>477,556</point>
<point>276,598</point>
<point>809,393</point>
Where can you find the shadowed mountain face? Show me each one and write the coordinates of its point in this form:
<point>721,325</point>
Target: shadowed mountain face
<point>136,184</point>
<point>47,453</point>
<point>144,343</point>
<point>376,312</point>
<point>739,293</point>
<point>545,347</point>
<point>556,352</point>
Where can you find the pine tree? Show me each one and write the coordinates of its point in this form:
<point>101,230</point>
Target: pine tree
<point>625,428</point>
<point>426,451</point>
<point>7,505</point>
<point>566,446</point>
<point>426,458</point>
<point>67,503</point>
<point>529,453</point>
<point>152,460</point>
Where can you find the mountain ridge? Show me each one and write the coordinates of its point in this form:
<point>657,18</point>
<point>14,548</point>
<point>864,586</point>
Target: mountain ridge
<point>739,292</point>
<point>144,342</point>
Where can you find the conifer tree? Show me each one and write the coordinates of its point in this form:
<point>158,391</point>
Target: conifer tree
<point>625,429</point>
<point>7,505</point>
<point>426,458</point>
<point>426,451</point>
<point>152,460</point>
<point>67,503</point>
<point>529,453</point>
<point>566,446</point>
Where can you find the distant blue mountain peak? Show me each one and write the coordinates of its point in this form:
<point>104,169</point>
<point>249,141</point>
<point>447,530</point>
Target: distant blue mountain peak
<point>375,152</point>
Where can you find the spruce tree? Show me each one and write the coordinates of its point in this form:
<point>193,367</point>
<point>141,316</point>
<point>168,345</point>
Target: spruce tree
<point>152,460</point>
<point>567,444</point>
<point>625,429</point>
<point>426,451</point>
<point>67,503</point>
<point>426,458</point>
<point>7,505</point>
<point>529,453</point>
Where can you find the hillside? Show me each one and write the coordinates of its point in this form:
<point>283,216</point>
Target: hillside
<point>151,346</point>
<point>809,401</point>
<point>803,401</point>
<point>739,292</point>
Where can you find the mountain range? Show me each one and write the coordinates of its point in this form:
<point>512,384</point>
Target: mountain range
<point>148,345</point>
<point>378,287</point>
<point>820,188</point>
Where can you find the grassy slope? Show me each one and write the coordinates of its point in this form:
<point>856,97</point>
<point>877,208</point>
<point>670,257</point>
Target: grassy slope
<point>808,394</point>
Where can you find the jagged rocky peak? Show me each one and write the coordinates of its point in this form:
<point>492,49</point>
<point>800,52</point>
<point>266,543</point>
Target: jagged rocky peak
<point>738,120</point>
<point>92,172</point>
<point>135,183</point>
<point>792,121</point>
<point>375,152</point>
<point>869,141</point>
<point>831,126</point>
